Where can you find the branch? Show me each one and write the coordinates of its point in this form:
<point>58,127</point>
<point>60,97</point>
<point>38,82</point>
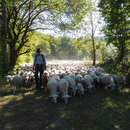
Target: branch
<point>21,45</point>
<point>40,29</point>
<point>27,51</point>
<point>20,6</point>
<point>26,45</point>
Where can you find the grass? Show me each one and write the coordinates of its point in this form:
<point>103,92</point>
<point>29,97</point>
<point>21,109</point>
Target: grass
<point>32,109</point>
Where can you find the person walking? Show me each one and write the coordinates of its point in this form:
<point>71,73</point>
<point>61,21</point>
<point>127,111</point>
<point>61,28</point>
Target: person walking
<point>39,66</point>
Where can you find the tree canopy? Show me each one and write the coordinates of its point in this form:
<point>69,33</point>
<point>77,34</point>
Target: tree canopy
<point>24,16</point>
<point>117,29</point>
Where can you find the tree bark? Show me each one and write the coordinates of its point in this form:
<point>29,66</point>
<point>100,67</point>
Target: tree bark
<point>13,59</point>
<point>93,41</point>
<point>122,52</point>
<point>94,51</point>
<point>4,38</point>
<point>93,44</point>
<point>13,56</point>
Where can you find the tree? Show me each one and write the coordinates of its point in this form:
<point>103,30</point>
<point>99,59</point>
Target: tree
<point>3,30</point>
<point>117,18</point>
<point>65,48</point>
<point>24,16</point>
<point>82,46</point>
<point>90,26</point>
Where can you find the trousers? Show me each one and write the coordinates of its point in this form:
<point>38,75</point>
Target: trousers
<point>39,70</point>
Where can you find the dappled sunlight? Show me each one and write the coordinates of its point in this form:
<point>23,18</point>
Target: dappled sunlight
<point>110,103</point>
<point>29,93</point>
<point>117,126</point>
<point>128,106</point>
<point>38,98</point>
<point>52,125</point>
<point>125,90</point>
<point>7,99</point>
<point>34,110</point>
<point>9,126</point>
<point>8,114</point>
<point>18,98</point>
<point>65,114</point>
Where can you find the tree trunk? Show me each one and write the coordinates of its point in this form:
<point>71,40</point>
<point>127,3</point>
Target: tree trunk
<point>94,51</point>
<point>122,52</point>
<point>4,38</point>
<point>13,57</point>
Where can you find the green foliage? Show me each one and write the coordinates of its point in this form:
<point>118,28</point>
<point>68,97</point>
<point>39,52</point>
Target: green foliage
<point>105,51</point>
<point>76,11</point>
<point>36,40</point>
<point>116,15</point>
<point>0,59</point>
<point>64,48</point>
<point>24,16</point>
<point>120,69</point>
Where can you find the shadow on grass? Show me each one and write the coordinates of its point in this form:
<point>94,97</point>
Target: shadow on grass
<point>33,109</point>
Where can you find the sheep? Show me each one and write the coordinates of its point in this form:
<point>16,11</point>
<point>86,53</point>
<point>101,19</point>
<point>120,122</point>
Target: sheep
<point>100,69</point>
<point>63,86</point>
<point>118,80</point>
<point>79,78</point>
<point>52,85</point>
<point>56,76</point>
<point>9,79</point>
<point>17,81</point>
<point>95,78</point>
<point>107,82</point>
<point>80,89</point>
<point>72,84</point>
<point>45,79</point>
<point>88,82</point>
<point>29,80</point>
<point>72,76</point>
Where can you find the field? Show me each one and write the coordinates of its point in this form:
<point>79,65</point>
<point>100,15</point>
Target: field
<point>32,109</point>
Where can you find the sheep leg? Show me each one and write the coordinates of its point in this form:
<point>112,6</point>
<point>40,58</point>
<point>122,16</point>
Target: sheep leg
<point>14,89</point>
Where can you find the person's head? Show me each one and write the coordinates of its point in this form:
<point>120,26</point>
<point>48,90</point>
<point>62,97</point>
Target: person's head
<point>38,50</point>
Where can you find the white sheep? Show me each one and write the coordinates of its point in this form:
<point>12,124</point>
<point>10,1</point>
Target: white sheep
<point>107,82</point>
<point>80,89</point>
<point>9,79</point>
<point>72,84</point>
<point>63,86</point>
<point>95,77</point>
<point>118,80</point>
<point>52,85</point>
<point>89,84</point>
<point>79,78</point>
<point>17,81</point>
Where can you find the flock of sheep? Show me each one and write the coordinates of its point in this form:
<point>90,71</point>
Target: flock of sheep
<point>64,80</point>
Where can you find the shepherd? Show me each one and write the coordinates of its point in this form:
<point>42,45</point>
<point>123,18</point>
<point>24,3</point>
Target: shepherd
<point>39,66</point>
